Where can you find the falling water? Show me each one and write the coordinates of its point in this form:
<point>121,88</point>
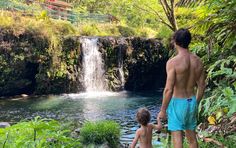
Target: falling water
<point>93,67</point>
<point>120,62</point>
<point>120,67</point>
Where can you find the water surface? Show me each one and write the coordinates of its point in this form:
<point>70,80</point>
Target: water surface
<point>120,107</point>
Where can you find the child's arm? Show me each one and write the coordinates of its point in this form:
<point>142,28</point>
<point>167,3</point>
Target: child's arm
<point>135,139</point>
<point>157,127</point>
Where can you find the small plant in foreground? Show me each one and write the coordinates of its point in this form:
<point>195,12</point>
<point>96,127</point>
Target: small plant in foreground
<point>100,132</point>
<point>38,133</point>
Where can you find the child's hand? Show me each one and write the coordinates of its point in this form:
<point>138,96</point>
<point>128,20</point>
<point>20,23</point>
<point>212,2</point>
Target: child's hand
<point>159,125</point>
<point>161,115</point>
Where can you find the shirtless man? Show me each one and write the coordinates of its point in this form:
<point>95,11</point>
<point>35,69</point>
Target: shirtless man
<point>184,74</point>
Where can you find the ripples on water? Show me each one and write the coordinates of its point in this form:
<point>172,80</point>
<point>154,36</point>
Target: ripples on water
<point>92,106</point>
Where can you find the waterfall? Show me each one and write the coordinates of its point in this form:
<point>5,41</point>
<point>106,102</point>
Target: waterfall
<point>93,67</point>
<point>120,67</point>
<point>122,44</point>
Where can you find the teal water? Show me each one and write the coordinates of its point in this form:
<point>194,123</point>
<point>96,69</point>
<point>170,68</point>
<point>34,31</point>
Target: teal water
<point>120,107</point>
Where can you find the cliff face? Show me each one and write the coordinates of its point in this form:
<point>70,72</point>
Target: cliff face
<point>32,63</point>
<point>143,62</point>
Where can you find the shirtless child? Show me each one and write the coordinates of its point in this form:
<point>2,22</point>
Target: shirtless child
<point>144,134</point>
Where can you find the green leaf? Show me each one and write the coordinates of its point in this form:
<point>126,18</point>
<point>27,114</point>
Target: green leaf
<point>228,92</point>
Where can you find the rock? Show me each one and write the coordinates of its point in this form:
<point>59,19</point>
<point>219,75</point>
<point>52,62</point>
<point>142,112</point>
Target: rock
<point>124,145</point>
<point>51,140</point>
<point>24,95</point>
<point>32,67</point>
<point>77,130</point>
<point>142,60</point>
<point>105,145</point>
<point>75,133</point>
<point>4,124</point>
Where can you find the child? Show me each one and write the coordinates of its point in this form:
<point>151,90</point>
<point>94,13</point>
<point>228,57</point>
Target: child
<point>144,134</point>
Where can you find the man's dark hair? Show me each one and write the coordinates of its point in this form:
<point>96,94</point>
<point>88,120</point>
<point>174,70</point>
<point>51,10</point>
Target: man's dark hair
<point>182,37</point>
<point>143,116</point>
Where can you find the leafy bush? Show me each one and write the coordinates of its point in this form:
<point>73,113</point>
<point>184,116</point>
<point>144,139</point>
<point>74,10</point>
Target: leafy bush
<point>89,30</point>
<point>222,99</point>
<point>126,31</point>
<point>145,32</point>
<point>230,142</point>
<point>218,56</point>
<point>37,133</point>
<point>100,132</point>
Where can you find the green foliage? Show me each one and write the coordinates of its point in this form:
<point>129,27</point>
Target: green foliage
<point>221,75</point>
<point>214,42</point>
<point>223,68</point>
<point>230,142</point>
<point>40,133</point>
<point>89,30</point>
<point>126,31</point>
<point>221,99</point>
<point>145,32</point>
<point>43,15</point>
<point>100,132</point>
<point>41,44</point>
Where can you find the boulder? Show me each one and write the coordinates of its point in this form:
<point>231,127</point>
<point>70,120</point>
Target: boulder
<point>4,124</point>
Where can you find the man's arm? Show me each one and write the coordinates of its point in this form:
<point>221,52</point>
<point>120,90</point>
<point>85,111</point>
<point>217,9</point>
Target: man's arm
<point>135,140</point>
<point>201,85</point>
<point>169,88</point>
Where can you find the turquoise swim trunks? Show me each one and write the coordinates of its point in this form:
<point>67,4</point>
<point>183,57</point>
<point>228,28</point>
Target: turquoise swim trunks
<point>182,114</point>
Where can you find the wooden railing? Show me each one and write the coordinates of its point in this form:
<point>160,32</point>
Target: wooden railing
<point>65,14</point>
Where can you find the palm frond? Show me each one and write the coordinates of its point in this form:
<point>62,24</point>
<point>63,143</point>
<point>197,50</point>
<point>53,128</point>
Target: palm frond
<point>189,3</point>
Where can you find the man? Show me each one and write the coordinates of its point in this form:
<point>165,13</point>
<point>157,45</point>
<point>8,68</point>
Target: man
<point>184,73</point>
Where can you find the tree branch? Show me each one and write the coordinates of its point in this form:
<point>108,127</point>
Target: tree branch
<point>164,8</point>
<point>168,25</point>
<point>167,5</point>
<point>157,14</point>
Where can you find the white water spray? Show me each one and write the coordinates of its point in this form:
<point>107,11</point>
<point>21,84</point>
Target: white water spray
<point>120,68</point>
<point>121,62</point>
<point>93,67</point>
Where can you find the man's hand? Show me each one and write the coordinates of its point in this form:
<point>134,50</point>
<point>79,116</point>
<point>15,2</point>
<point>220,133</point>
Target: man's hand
<point>161,115</point>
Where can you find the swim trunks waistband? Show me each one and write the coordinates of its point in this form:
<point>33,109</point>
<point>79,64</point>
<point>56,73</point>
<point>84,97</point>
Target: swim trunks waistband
<point>192,97</point>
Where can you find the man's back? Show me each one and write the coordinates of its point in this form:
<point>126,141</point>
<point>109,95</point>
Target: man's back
<point>184,73</point>
<point>188,69</point>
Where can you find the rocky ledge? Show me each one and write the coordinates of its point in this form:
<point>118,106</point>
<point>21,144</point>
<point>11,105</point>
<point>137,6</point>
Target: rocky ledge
<point>30,63</point>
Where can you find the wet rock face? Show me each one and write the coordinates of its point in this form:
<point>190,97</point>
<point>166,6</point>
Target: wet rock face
<point>19,61</point>
<point>142,61</point>
<point>29,66</point>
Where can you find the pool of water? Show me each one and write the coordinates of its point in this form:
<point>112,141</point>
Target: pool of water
<point>120,107</point>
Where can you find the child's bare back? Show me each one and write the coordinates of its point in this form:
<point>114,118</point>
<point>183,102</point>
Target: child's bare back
<point>144,133</point>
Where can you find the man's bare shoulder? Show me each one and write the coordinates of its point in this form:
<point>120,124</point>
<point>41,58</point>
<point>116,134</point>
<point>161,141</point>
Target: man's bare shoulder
<point>171,61</point>
<point>195,56</point>
<point>196,59</point>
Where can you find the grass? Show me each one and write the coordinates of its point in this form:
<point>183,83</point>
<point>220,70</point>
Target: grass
<point>51,27</point>
<point>100,132</point>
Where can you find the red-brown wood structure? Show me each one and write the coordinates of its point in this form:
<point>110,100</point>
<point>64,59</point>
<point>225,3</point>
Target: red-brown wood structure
<point>58,9</point>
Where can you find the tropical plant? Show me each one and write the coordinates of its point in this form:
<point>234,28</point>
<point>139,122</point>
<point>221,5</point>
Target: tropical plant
<point>215,44</point>
<point>100,132</point>
<point>37,133</point>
